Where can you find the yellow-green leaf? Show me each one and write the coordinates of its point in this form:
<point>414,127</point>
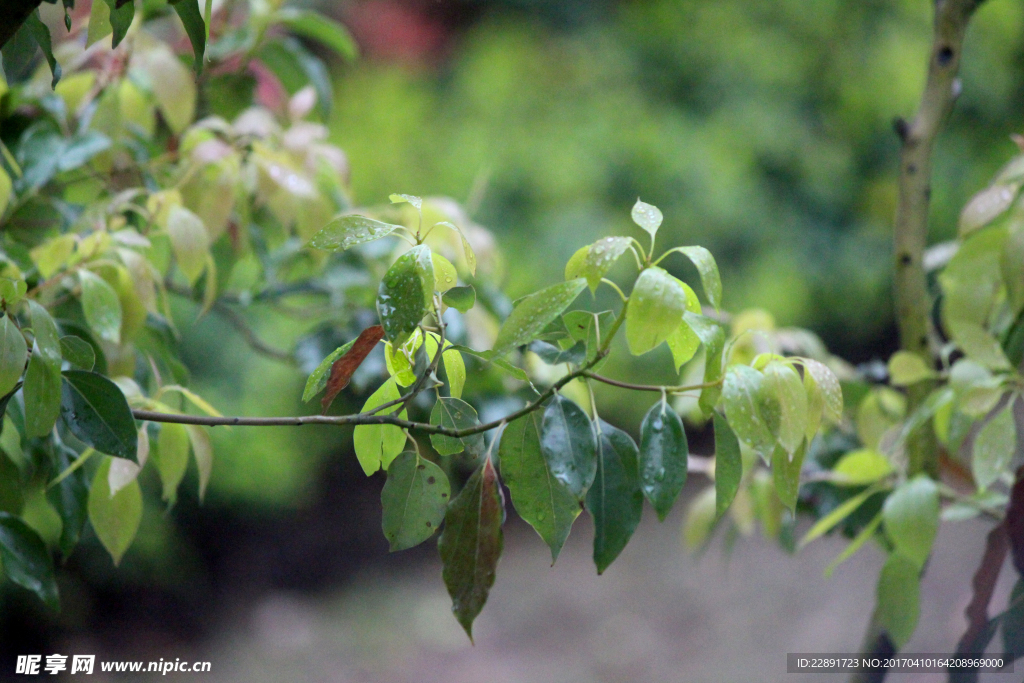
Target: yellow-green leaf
<point>115,518</point>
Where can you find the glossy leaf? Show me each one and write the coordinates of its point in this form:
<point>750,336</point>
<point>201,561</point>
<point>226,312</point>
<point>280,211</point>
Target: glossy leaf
<point>741,398</point>
<point>455,413</point>
<point>96,411</point>
<point>445,275</point>
<point>13,354</point>
<point>594,261</point>
<point>615,501</point>
<point>460,298</point>
<point>471,543</point>
<point>114,518</point>
<point>683,343</point>
<point>899,596</point>
<point>172,448</point>
<point>590,328</point>
<point>78,352</point>
<point>786,469</point>
<point>911,518</point>
<point>69,498</point>
<point>41,34</point>
<point>728,465</point>
<point>664,456</point>
<point>712,336</point>
<point>377,445</point>
<point>101,306</point>
<point>121,15</point>
<point>405,293</point>
<point>346,232</point>
<point>42,379</point>
<point>647,216</point>
<point>829,385</point>
<point>994,448</point>
<point>569,446</point>
<point>710,279</point>
<point>195,27</point>
<point>786,390</point>
<point>656,307</point>
<point>26,560</point>
<point>541,500</point>
<point>535,312</point>
<point>414,500</point>
<point>317,380</point>
<point>455,369</point>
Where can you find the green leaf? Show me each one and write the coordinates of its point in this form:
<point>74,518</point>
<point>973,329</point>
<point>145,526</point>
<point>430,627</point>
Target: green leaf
<point>700,519</point>
<point>202,451</point>
<point>647,216</point>
<point>986,206</point>
<point>115,519</point>
<point>535,312</point>
<point>786,473</point>
<point>492,357</point>
<point>96,411</point>
<point>552,355</point>
<point>569,446</point>
<point>615,501</point>
<point>69,498</point>
<point>906,368</point>
<point>195,27</point>
<point>728,465</point>
<point>12,291</point>
<point>99,23</point>
<point>594,261</point>
<point>377,445</point>
<point>414,499</point>
<point>742,400</point>
<point>80,148</point>
<point>346,232</point>
<point>656,307</point>
<point>664,457</point>
<point>786,389</point>
<point>837,515</point>
<point>589,328</point>
<point>189,239</point>
<point>405,293</point>
<point>445,275</point>
<point>828,383</point>
<point>13,354</point>
<point>899,595</point>
<point>78,352</point>
<point>101,306</point>
<point>42,379</point>
<point>541,500</point>
<point>121,16</point>
<point>417,202</point>
<point>454,413</point>
<point>683,342</point>
<point>712,336</point>
<point>994,448</point>
<point>471,543</point>
<point>41,35</point>
<point>320,28</point>
<point>865,535</point>
<point>455,369</point>
<point>26,561</point>
<point>710,279</point>
<point>911,517</point>
<point>172,447</point>
<point>860,467</point>
<point>317,380</point>
<point>460,298</point>
<point>174,87</point>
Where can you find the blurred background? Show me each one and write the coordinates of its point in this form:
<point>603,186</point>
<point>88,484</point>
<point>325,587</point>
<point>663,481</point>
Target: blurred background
<point>763,130</point>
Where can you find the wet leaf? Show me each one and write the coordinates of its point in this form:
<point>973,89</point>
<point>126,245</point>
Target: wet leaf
<point>377,445</point>
<point>471,543</point>
<point>569,446</point>
<point>405,293</point>
<point>96,411</point>
<point>656,307</point>
<point>899,595</point>
<point>741,398</point>
<point>541,500</point>
<point>414,499</point>
<point>786,389</point>
<point>786,473</point>
<point>42,379</point>
<point>911,517</point>
<point>728,465</point>
<point>460,298</point>
<point>114,518</point>
<point>683,342</point>
<point>710,279</point>
<point>445,275</point>
<point>317,380</point>
<point>712,336</point>
<point>664,456</point>
<point>26,561</point>
<point>455,413</point>
<point>101,306</point>
<point>615,501</point>
<point>13,354</point>
<point>535,312</point>
<point>594,261</point>
<point>829,385</point>
<point>346,232</point>
<point>647,216</point>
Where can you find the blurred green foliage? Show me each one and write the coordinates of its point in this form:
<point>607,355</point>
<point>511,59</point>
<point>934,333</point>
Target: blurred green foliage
<point>762,129</point>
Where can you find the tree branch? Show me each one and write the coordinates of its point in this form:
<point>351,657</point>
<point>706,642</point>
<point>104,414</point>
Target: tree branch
<point>650,387</point>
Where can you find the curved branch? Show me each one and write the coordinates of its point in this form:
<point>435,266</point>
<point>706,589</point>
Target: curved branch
<point>650,387</point>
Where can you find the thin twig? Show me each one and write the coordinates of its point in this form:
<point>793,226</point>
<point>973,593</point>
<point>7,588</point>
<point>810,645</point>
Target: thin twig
<point>650,387</point>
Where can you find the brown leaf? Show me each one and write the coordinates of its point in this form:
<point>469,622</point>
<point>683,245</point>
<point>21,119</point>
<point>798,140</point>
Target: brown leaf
<point>341,371</point>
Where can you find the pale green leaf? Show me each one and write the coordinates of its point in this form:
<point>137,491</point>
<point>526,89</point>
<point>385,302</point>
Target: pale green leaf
<point>189,241</point>
<point>172,448</point>
<point>994,448</point>
<point>101,306</point>
<point>114,518</point>
<point>445,275</point>
<point>647,216</point>
<point>710,278</point>
<point>837,515</point>
<point>202,450</point>
<point>345,232</point>
<point>655,310</point>
<point>863,466</point>
<point>42,379</point>
<point>783,384</point>
<point>911,517</point>
<point>594,261</point>
<point>899,596</point>
<point>13,354</point>
<point>377,445</point>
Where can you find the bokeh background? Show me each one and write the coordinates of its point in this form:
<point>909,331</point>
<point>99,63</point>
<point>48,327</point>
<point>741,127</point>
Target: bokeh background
<point>763,130</point>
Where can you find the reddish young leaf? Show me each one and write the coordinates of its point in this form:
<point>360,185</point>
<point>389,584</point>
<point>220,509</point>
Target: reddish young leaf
<point>341,371</point>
